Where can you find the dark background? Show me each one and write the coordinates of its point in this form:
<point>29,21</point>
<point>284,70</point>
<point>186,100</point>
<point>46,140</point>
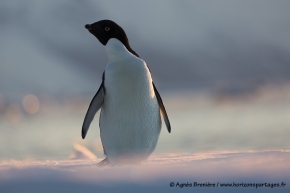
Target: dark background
<point>226,46</point>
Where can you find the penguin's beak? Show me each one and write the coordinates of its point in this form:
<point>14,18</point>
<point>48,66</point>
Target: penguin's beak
<point>88,26</point>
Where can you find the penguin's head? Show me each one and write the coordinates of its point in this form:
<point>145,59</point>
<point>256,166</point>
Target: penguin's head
<point>104,30</point>
<point>107,29</point>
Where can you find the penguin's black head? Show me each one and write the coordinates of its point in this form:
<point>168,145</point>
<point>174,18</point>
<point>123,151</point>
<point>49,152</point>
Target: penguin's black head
<point>104,30</point>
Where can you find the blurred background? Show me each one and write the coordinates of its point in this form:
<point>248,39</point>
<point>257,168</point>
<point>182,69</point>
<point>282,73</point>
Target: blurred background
<point>221,67</point>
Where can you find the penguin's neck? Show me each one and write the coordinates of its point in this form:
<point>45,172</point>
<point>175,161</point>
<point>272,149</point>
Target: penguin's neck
<point>116,50</point>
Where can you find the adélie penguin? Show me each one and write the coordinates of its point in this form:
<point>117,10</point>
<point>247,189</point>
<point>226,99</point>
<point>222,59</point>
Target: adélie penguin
<point>130,104</point>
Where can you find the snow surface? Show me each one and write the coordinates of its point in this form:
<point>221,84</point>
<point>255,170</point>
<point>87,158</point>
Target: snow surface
<point>154,175</point>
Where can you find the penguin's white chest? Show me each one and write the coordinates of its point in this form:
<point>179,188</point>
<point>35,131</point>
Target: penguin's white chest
<point>130,117</point>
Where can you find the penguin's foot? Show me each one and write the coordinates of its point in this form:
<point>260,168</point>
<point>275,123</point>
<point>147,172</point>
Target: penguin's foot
<point>104,162</point>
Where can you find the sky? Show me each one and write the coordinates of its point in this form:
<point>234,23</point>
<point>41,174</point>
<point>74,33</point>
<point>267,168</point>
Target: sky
<point>221,67</point>
<point>224,45</point>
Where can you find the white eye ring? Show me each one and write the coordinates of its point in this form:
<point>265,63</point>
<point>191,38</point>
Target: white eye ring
<point>107,28</point>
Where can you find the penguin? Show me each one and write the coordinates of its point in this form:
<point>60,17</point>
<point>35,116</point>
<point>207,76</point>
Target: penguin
<point>131,107</point>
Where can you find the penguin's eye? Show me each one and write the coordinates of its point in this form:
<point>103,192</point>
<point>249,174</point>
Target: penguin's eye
<point>107,28</point>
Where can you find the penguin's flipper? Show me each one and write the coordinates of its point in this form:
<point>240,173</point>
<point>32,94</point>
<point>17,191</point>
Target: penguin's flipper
<point>162,109</point>
<point>95,105</point>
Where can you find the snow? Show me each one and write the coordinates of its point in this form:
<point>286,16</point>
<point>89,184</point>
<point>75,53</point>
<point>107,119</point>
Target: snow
<point>154,175</point>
